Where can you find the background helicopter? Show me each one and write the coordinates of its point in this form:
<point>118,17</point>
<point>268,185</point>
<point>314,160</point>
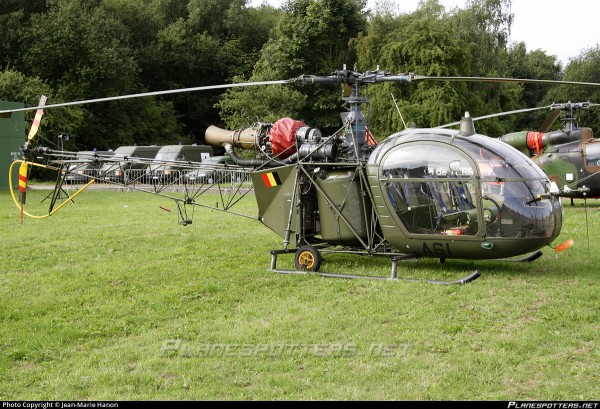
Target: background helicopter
<point>433,193</point>
<point>569,156</point>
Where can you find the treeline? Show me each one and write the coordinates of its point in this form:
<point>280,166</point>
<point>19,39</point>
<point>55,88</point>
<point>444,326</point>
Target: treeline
<point>75,50</point>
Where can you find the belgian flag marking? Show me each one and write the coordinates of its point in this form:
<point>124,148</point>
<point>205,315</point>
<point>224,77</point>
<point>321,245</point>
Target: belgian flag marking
<point>271,179</point>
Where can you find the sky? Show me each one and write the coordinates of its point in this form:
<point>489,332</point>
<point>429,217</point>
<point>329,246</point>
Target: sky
<point>558,27</point>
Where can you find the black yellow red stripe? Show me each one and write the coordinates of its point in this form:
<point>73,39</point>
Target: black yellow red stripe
<point>271,179</point>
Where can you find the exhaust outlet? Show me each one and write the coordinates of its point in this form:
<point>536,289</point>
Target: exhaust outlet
<point>241,138</point>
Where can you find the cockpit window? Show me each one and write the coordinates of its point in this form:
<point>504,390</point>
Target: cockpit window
<point>467,188</point>
<point>592,154</point>
<point>426,160</point>
<point>513,191</point>
<point>430,187</point>
<point>496,160</point>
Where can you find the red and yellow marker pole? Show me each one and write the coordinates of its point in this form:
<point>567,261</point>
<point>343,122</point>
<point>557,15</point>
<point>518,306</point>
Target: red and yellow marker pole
<point>20,200</point>
<point>23,187</point>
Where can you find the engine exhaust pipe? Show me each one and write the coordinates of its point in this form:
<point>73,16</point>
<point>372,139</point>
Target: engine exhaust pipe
<point>248,138</point>
<point>241,138</point>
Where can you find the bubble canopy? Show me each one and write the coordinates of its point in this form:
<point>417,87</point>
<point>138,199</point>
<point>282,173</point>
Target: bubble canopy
<point>477,188</point>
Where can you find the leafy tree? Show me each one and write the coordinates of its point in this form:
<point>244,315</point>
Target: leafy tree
<point>181,59</point>
<point>169,10</point>
<point>583,68</point>
<point>27,7</point>
<point>191,52</point>
<point>483,28</point>
<point>312,37</point>
<point>14,20</point>
<point>248,32</point>
<point>142,20</point>
<point>422,42</point>
<point>209,15</point>
<point>434,42</point>
<point>82,52</point>
<point>84,49</point>
<point>11,32</point>
<point>91,58</point>
<point>534,65</point>
<point>15,86</point>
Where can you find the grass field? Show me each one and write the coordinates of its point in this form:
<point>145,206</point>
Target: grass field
<point>112,299</point>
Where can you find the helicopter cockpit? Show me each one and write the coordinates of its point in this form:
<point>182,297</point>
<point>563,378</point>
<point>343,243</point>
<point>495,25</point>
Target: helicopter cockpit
<point>473,187</point>
<point>430,189</point>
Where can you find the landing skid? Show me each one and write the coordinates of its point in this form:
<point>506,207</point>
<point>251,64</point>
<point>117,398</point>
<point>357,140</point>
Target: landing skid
<point>393,276</point>
<point>528,259</point>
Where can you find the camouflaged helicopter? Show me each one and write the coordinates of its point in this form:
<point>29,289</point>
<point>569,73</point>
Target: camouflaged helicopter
<point>420,192</point>
<point>569,156</point>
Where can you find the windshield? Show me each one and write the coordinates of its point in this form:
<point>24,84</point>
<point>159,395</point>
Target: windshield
<point>431,189</point>
<point>168,156</point>
<point>467,188</point>
<point>592,154</point>
<point>514,191</point>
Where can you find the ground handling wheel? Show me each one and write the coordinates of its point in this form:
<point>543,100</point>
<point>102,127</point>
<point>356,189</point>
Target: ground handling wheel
<point>307,258</point>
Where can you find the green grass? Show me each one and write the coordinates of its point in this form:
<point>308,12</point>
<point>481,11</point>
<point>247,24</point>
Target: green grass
<point>111,299</point>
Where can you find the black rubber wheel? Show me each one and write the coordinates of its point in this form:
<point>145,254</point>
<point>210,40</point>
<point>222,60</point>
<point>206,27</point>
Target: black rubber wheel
<point>307,258</point>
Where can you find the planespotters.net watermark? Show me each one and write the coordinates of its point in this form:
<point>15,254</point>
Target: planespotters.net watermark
<point>180,348</point>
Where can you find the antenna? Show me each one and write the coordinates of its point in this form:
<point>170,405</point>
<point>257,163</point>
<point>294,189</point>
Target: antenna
<point>466,125</point>
<point>398,109</point>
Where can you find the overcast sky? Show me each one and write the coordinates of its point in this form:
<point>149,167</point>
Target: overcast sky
<point>562,28</point>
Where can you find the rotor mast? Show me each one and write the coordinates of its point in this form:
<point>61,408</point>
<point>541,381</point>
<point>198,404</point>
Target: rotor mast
<point>355,123</point>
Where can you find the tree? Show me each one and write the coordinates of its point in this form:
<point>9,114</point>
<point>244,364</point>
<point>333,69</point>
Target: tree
<point>85,49</point>
<point>11,32</point>
<point>535,65</point>
<point>422,42</point>
<point>312,37</point>
<point>218,41</point>
<point>434,42</point>
<point>182,59</point>
<point>27,7</point>
<point>15,86</point>
<point>583,68</point>
<point>83,52</point>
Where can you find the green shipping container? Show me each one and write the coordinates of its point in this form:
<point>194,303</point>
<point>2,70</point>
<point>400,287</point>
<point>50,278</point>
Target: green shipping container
<point>12,137</point>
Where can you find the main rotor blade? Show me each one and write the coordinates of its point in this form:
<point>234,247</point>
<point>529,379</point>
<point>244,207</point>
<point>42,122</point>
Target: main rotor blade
<point>338,77</point>
<point>517,111</point>
<point>550,119</point>
<point>147,94</point>
<point>510,80</point>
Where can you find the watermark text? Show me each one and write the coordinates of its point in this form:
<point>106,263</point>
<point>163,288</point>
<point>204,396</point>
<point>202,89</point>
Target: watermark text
<point>177,347</point>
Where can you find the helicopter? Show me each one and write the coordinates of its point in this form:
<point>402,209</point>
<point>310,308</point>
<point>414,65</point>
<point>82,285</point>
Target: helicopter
<point>419,193</point>
<point>569,156</point>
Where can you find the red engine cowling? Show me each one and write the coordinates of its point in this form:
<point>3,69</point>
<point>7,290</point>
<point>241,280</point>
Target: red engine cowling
<point>283,137</point>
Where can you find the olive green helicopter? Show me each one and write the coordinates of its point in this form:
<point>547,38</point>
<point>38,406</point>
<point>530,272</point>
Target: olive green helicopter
<point>419,193</point>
